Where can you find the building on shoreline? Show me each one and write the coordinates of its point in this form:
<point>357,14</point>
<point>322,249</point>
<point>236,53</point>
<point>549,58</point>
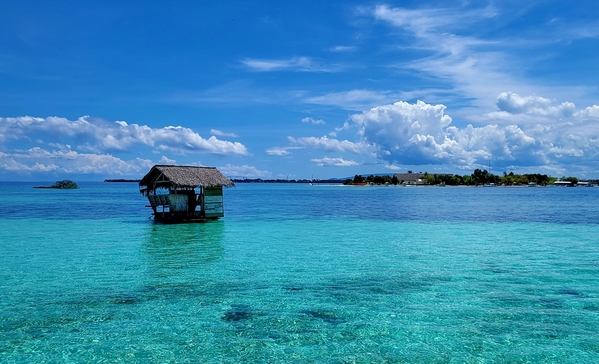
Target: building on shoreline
<point>410,178</point>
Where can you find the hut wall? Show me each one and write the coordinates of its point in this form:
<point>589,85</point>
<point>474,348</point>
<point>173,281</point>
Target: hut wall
<point>213,202</point>
<point>178,202</point>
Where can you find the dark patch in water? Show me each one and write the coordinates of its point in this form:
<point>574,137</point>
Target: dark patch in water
<point>125,300</point>
<point>378,286</point>
<point>325,316</point>
<point>38,332</point>
<point>293,288</point>
<point>570,292</point>
<point>238,313</point>
<point>551,302</point>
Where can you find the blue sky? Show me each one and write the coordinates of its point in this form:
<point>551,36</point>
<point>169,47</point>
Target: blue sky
<point>92,90</point>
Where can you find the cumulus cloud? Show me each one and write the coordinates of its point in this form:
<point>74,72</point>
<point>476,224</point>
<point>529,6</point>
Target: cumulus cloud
<point>530,131</point>
<point>406,131</point>
<point>68,161</point>
<point>166,160</point>
<point>393,167</point>
<point>420,133</point>
<point>308,120</point>
<point>331,145</point>
<point>101,137</point>
<point>536,105</point>
<point>334,162</point>
<point>339,129</point>
<point>8,163</point>
<point>591,112</point>
<point>178,139</point>
<point>93,146</point>
<point>243,171</point>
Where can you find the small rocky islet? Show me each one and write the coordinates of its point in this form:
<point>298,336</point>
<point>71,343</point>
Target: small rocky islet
<point>65,184</point>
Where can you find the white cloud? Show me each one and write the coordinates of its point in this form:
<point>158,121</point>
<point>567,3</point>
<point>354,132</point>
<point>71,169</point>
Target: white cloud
<point>69,161</point>
<point>395,125</point>
<point>339,129</point>
<point>166,160</point>
<point>299,64</point>
<point>334,162</point>
<point>178,139</point>
<point>332,145</point>
<point>424,22</point>
<point>591,113</point>
<point>8,163</point>
<point>223,134</point>
<point>281,151</point>
<point>341,48</point>
<point>244,171</point>
<point>354,99</point>
<point>309,120</point>
<point>278,151</point>
<point>100,136</point>
<point>393,167</point>
<point>535,105</point>
<point>547,120</point>
<point>477,69</point>
<point>420,133</point>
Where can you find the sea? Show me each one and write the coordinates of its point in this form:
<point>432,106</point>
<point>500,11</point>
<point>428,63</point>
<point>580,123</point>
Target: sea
<point>301,273</point>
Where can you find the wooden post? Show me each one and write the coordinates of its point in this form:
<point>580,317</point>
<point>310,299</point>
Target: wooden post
<point>203,214</point>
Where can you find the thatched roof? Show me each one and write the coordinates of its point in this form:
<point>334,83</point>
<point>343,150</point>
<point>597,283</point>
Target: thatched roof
<point>162,176</point>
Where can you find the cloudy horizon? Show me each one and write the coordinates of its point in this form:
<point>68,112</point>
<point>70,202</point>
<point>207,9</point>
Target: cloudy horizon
<point>328,90</point>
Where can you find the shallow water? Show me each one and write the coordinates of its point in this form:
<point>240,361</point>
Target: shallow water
<point>302,273</point>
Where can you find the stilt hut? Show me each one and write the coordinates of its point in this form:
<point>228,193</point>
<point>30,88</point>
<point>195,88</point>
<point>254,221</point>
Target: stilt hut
<point>184,193</point>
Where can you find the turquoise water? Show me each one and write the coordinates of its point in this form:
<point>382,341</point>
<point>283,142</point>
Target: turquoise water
<point>298,273</point>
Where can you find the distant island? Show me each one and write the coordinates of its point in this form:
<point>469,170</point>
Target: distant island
<point>260,180</point>
<point>65,184</point>
<point>122,180</point>
<point>477,178</point>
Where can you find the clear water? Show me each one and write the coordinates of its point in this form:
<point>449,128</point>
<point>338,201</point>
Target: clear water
<point>298,273</point>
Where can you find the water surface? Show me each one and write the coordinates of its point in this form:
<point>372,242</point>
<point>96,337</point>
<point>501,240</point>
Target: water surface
<point>302,273</point>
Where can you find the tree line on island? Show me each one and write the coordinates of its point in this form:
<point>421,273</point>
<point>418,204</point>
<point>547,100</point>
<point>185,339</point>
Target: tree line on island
<point>478,177</point>
<point>66,184</point>
<point>280,180</point>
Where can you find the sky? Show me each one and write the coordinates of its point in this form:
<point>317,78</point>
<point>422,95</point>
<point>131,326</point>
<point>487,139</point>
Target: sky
<point>314,89</point>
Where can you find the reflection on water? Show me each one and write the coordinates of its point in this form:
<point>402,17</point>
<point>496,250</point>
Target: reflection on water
<point>184,246</point>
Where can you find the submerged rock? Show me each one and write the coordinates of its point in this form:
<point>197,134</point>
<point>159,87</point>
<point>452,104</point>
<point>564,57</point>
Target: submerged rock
<point>237,314</point>
<point>325,316</point>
